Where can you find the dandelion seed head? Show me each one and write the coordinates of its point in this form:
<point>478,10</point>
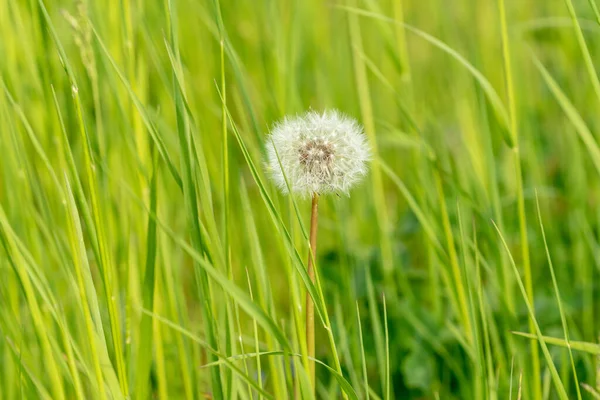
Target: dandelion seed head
<point>319,153</point>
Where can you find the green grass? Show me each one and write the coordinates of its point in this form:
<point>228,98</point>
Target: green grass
<point>144,252</point>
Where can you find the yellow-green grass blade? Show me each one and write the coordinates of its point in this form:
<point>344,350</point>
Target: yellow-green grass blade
<point>487,87</point>
<point>595,9</point>
<point>256,337</point>
<point>160,344</point>
<point>366,108</point>
<point>219,32</point>
<point>206,201</point>
<point>362,353</point>
<point>234,291</point>
<point>378,334</point>
<point>190,191</point>
<point>51,235</point>
<point>572,114</point>
<point>7,236</point>
<point>563,319</point>
<point>415,207</point>
<point>220,358</point>
<point>231,345</point>
<point>458,289</point>
<point>585,51</point>
<point>68,163</point>
<point>104,259</point>
<point>177,312</point>
<point>150,126</point>
<point>79,261</point>
<point>41,285</point>
<point>476,345</point>
<point>343,383</point>
<point>388,378</point>
<point>593,392</point>
<point>144,350</point>
<point>105,264</point>
<point>263,287</point>
<point>241,297</point>
<point>327,324</point>
<point>586,347</point>
<point>345,344</point>
<point>554,373</point>
<point>483,315</point>
<point>535,378</point>
<point>88,293</point>
<point>42,392</point>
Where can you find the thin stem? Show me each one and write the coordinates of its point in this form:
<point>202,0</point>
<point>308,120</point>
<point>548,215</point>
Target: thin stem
<point>535,379</point>
<point>310,308</point>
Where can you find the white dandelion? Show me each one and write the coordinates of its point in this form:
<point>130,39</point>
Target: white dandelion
<point>319,153</point>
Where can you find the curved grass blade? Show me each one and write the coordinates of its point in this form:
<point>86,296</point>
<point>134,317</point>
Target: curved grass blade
<point>573,115</point>
<point>562,394</point>
<point>233,290</point>
<point>586,347</point>
<point>192,207</point>
<point>79,263</point>
<point>221,358</point>
<point>587,56</point>
<point>414,206</point>
<point>104,259</point>
<point>344,384</point>
<point>8,239</point>
<point>158,141</point>
<point>558,299</point>
<point>487,87</point>
<point>144,351</point>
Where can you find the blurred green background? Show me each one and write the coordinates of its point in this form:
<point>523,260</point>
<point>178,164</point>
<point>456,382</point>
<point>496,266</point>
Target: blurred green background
<point>145,254</point>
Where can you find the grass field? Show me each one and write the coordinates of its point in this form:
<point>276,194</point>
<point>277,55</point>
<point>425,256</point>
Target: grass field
<point>145,253</point>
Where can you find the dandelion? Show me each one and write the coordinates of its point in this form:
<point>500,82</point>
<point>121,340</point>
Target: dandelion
<point>319,153</point>
<point>310,155</point>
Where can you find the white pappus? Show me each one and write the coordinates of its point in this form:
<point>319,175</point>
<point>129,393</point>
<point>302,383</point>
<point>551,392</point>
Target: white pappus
<point>319,152</point>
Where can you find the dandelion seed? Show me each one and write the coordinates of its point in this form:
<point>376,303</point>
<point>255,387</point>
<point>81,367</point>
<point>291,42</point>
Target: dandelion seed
<point>319,153</point>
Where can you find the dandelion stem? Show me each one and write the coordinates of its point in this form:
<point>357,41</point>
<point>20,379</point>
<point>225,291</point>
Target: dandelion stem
<point>310,310</point>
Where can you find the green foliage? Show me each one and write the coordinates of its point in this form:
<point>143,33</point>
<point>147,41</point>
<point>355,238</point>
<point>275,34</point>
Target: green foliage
<point>145,254</point>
